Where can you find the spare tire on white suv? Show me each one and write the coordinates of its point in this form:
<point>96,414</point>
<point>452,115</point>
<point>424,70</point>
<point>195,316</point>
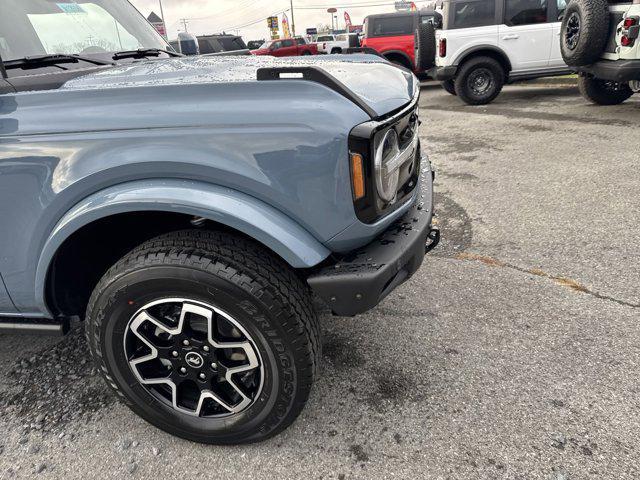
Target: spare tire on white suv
<point>585,31</point>
<point>600,39</point>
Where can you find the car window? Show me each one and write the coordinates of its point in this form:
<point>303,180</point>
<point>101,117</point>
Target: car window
<point>342,38</point>
<point>287,43</point>
<point>209,45</point>
<point>276,45</point>
<point>525,12</point>
<point>325,38</point>
<point>231,44</point>
<point>389,26</point>
<point>475,13</point>
<point>562,6</point>
<point>301,41</point>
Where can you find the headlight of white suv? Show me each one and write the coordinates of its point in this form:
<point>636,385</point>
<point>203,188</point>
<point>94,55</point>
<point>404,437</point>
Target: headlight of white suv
<point>385,164</point>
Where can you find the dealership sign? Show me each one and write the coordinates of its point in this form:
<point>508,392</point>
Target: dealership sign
<point>403,6</point>
<point>157,23</point>
<point>274,26</point>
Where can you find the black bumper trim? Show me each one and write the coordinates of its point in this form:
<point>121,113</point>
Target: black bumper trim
<point>614,70</point>
<point>442,73</point>
<point>363,278</point>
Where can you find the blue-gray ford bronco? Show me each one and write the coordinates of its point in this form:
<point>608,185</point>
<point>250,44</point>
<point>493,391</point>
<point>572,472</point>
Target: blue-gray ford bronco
<point>191,210</point>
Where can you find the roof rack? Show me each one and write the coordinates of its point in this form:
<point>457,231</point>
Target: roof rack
<point>317,75</point>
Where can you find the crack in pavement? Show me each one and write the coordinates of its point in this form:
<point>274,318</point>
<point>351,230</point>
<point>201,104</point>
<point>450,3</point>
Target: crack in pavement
<point>562,281</point>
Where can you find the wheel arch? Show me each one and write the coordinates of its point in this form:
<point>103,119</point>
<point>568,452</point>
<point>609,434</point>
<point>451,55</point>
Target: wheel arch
<point>485,51</point>
<point>398,54</point>
<point>161,207</point>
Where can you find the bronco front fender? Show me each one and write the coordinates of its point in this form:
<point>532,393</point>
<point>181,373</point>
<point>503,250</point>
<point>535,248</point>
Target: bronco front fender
<point>229,207</point>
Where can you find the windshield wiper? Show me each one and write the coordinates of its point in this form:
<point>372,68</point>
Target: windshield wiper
<point>53,59</point>
<point>144,52</point>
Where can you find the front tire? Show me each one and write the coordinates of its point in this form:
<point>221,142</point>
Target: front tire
<point>479,81</point>
<point>449,86</point>
<point>603,92</point>
<point>206,335</point>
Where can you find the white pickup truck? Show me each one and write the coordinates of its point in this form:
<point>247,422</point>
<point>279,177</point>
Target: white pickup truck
<point>336,43</point>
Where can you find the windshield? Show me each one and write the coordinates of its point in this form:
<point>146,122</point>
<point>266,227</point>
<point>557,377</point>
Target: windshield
<point>42,27</point>
<point>325,39</point>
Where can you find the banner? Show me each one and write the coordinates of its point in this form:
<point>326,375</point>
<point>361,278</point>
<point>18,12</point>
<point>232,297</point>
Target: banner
<point>347,20</point>
<point>286,33</point>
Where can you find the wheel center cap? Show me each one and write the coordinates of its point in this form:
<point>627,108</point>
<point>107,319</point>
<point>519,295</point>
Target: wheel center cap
<point>194,359</point>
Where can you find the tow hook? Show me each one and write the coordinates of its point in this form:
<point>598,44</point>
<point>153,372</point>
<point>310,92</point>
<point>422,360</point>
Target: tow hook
<point>433,239</point>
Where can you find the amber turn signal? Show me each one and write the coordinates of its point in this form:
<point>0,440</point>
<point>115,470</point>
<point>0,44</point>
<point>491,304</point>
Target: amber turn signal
<point>357,175</point>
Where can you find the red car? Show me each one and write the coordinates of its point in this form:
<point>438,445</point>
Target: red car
<point>393,34</point>
<point>288,47</point>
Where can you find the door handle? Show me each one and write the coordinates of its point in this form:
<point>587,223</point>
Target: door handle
<point>511,36</point>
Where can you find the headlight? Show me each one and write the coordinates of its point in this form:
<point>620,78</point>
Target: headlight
<point>386,168</point>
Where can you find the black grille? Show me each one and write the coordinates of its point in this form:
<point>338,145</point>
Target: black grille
<point>371,208</point>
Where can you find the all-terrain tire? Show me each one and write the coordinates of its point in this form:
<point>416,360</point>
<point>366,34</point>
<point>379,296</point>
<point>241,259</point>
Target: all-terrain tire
<point>479,80</point>
<point>244,281</point>
<point>603,92</point>
<point>449,86</point>
<point>425,44</point>
<point>585,31</point>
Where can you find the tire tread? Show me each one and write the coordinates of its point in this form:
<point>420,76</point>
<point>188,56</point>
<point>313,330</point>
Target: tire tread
<point>249,266</point>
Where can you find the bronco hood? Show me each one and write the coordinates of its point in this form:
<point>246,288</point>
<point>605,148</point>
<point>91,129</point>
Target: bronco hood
<point>380,85</point>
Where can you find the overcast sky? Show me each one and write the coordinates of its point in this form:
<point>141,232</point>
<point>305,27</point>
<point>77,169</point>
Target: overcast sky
<point>214,16</point>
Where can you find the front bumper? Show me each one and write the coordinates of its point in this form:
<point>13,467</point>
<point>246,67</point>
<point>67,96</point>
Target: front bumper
<point>614,70</point>
<point>363,278</point>
<point>442,73</point>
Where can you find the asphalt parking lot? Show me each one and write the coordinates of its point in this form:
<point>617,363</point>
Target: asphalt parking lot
<point>513,353</point>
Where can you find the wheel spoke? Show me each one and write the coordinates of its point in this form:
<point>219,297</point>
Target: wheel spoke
<point>184,359</point>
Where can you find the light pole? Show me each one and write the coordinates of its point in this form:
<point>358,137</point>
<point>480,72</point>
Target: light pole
<point>164,24</point>
<point>293,21</point>
<point>331,11</point>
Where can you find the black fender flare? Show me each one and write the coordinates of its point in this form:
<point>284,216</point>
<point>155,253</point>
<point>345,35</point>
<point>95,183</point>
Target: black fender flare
<point>404,55</point>
<point>483,48</point>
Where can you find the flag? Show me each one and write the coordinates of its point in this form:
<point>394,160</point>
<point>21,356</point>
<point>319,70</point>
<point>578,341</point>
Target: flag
<point>285,26</point>
<point>347,20</point>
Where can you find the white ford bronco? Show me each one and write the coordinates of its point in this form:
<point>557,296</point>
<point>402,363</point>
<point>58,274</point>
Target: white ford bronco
<point>600,39</point>
<point>484,44</point>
